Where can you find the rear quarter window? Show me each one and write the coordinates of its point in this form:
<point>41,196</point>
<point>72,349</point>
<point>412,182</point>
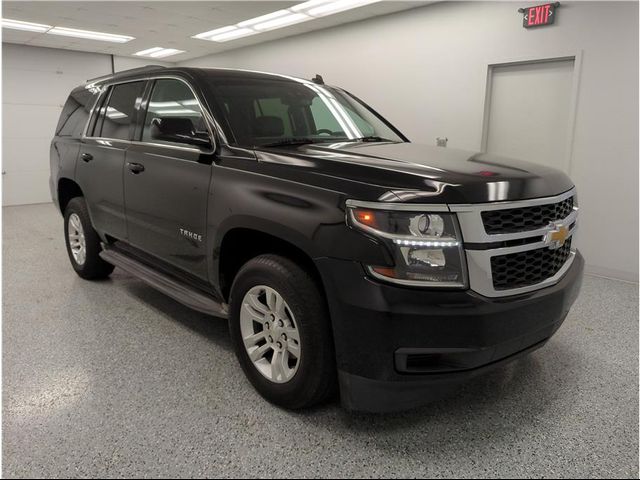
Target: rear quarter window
<point>75,113</point>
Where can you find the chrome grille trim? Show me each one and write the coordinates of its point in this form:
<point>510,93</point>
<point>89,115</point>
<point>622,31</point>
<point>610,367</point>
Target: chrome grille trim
<point>479,260</point>
<point>472,226</point>
<point>481,277</point>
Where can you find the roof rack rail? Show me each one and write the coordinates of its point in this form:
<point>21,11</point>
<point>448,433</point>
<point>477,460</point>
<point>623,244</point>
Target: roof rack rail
<point>122,73</point>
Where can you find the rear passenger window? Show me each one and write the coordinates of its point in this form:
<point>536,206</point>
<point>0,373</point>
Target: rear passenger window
<point>75,113</point>
<point>119,113</point>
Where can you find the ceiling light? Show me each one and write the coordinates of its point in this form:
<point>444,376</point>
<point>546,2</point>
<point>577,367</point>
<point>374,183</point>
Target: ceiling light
<point>282,18</point>
<point>337,6</point>
<point>26,26</point>
<point>166,52</point>
<point>307,5</point>
<point>233,34</point>
<point>148,51</point>
<point>158,52</point>
<point>226,33</point>
<point>213,33</point>
<point>280,22</point>
<point>105,37</point>
<point>263,18</point>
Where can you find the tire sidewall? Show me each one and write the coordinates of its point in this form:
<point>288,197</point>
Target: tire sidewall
<point>93,267</point>
<point>278,392</point>
<point>70,210</point>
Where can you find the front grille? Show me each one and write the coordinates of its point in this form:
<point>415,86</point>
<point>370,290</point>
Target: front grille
<point>527,268</point>
<point>513,220</point>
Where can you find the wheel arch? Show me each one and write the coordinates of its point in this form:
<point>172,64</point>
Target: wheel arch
<point>240,244</point>
<point>67,189</point>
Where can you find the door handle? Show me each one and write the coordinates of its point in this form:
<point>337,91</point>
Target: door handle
<point>135,167</point>
<point>87,157</point>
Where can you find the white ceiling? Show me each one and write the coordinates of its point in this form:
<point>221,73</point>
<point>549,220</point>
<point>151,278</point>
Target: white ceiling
<point>165,24</point>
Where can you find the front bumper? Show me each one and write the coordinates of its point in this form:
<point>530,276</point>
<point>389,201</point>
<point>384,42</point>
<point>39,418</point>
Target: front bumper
<point>398,347</point>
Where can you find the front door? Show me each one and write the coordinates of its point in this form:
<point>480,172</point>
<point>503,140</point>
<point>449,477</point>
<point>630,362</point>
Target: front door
<point>166,181</point>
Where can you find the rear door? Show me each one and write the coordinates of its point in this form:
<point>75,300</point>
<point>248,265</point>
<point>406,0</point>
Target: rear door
<point>166,182</point>
<point>100,166</point>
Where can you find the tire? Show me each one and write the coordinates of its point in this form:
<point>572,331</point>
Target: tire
<point>86,260</point>
<point>302,381</point>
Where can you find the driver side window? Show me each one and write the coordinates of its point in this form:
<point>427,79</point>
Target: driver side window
<point>173,99</point>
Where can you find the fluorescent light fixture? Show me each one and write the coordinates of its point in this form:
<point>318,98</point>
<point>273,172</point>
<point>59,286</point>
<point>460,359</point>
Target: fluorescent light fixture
<point>166,52</point>
<point>104,37</point>
<point>337,6</point>
<point>68,32</point>
<point>26,26</point>
<point>158,52</point>
<point>290,19</point>
<point>263,18</point>
<point>213,33</point>
<point>229,33</point>
<point>148,51</point>
<point>308,5</point>
<point>281,18</point>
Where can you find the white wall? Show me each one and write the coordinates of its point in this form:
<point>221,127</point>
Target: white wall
<point>426,70</point>
<point>35,84</point>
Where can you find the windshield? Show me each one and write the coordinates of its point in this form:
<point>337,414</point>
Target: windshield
<point>262,112</point>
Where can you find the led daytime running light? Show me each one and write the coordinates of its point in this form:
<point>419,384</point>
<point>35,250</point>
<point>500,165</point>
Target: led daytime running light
<point>425,243</point>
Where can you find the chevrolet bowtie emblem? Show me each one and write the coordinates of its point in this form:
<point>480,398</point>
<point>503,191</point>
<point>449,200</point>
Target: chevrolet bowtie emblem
<point>556,236</point>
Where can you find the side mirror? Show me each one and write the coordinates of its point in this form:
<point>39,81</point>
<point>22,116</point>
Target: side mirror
<point>179,130</point>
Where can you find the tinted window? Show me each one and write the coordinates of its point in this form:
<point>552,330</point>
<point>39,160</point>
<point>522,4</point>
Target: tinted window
<point>273,107</point>
<point>173,99</point>
<point>119,113</point>
<point>75,113</point>
<point>263,111</point>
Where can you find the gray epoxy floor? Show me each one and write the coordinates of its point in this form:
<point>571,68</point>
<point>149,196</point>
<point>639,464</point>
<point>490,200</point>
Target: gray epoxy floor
<point>114,379</point>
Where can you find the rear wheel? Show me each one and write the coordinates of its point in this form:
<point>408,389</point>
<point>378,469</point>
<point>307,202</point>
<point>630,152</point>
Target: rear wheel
<point>281,332</point>
<point>83,243</point>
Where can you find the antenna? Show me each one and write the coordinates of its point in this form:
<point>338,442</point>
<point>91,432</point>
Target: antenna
<point>318,79</point>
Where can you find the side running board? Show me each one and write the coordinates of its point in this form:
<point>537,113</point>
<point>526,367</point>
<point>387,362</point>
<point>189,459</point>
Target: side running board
<point>170,286</point>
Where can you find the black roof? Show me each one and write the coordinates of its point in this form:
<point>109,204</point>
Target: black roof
<point>219,72</point>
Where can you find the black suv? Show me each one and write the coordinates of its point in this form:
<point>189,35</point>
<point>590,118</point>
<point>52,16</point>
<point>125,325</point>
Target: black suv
<point>343,255</point>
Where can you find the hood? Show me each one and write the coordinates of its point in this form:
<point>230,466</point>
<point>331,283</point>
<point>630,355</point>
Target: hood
<point>423,173</point>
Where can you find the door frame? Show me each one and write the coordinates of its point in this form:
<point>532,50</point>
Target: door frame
<point>573,101</point>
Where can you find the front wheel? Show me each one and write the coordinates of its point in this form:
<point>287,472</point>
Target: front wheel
<point>281,332</point>
<point>83,242</point>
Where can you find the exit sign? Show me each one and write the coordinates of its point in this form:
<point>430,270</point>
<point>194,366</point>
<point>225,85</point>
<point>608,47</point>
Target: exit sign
<point>539,15</point>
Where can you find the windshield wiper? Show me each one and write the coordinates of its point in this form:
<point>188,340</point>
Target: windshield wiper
<point>290,141</point>
<point>371,138</point>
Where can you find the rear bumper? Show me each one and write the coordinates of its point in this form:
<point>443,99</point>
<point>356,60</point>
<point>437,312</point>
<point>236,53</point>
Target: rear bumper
<point>397,348</point>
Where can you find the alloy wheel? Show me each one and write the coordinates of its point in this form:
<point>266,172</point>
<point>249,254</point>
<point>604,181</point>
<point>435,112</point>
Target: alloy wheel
<point>270,334</point>
<point>77,242</point>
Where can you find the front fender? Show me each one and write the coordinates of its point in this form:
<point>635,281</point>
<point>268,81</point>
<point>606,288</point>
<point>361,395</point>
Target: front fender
<point>309,217</point>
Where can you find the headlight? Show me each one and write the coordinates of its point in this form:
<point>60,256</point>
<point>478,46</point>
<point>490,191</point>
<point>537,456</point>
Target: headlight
<point>426,246</point>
